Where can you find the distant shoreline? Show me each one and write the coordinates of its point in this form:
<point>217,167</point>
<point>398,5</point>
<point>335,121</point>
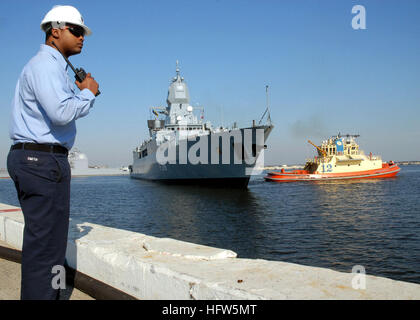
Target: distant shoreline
<point>403,163</point>
<point>90,172</point>
<point>116,172</point>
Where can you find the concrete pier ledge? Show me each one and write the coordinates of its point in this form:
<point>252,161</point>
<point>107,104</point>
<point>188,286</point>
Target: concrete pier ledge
<point>147,267</point>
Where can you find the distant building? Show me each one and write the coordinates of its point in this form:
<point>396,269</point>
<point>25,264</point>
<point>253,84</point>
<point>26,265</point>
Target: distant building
<point>78,160</point>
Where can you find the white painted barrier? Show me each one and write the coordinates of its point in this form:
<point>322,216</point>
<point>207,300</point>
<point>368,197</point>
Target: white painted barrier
<point>159,268</point>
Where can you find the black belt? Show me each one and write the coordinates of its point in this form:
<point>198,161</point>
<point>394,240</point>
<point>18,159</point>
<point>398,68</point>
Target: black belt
<point>40,147</point>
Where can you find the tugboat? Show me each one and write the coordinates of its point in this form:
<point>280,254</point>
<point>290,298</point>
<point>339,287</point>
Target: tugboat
<point>338,158</point>
<point>183,148</point>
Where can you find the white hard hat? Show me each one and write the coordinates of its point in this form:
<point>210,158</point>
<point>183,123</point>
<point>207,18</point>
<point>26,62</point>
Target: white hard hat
<point>59,15</point>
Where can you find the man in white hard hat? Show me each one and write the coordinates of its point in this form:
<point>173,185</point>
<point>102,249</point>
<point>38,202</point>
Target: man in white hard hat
<point>44,111</point>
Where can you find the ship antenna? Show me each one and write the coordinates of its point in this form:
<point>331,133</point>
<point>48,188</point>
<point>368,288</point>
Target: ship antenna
<point>267,109</point>
<point>266,94</point>
<point>177,68</point>
<point>268,104</point>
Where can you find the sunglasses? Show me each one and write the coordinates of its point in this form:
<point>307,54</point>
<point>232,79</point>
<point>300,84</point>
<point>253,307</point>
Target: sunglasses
<point>77,31</point>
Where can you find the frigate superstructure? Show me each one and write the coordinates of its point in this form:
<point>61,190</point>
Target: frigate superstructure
<point>184,148</point>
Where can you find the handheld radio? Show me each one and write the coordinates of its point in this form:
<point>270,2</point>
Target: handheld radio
<point>79,73</point>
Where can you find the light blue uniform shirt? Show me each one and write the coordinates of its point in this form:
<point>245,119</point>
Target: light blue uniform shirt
<point>45,106</point>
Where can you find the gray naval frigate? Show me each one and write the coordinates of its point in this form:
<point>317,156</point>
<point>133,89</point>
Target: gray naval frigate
<point>183,148</point>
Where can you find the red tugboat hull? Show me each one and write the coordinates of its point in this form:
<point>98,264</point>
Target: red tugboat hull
<point>388,170</point>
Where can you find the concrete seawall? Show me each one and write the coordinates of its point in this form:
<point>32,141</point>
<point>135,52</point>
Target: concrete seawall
<point>147,267</point>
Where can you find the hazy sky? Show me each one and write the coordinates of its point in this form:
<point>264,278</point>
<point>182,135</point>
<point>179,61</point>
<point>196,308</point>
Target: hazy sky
<point>324,76</point>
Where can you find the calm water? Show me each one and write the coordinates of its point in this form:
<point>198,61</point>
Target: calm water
<point>374,223</point>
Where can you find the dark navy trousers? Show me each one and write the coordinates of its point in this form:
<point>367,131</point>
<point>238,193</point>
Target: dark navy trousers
<point>42,181</point>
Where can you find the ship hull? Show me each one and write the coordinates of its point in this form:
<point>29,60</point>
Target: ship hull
<point>387,171</point>
<point>192,173</point>
<point>208,174</point>
<point>208,182</point>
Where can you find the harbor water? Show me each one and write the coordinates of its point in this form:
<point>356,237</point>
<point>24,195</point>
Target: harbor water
<point>332,224</point>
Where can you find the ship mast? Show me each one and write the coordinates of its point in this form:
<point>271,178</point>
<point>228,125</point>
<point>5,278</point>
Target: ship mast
<point>177,69</point>
<point>267,110</point>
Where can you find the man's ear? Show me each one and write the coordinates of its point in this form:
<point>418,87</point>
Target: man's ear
<point>55,33</point>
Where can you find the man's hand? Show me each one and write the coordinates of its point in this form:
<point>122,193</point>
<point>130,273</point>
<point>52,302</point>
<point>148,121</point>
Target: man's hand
<point>88,83</point>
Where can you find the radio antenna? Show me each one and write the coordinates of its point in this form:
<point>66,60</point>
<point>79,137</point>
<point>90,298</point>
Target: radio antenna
<point>65,58</point>
<point>267,109</point>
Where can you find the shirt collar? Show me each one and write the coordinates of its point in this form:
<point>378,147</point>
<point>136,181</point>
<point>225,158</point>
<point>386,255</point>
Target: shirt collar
<point>56,55</point>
